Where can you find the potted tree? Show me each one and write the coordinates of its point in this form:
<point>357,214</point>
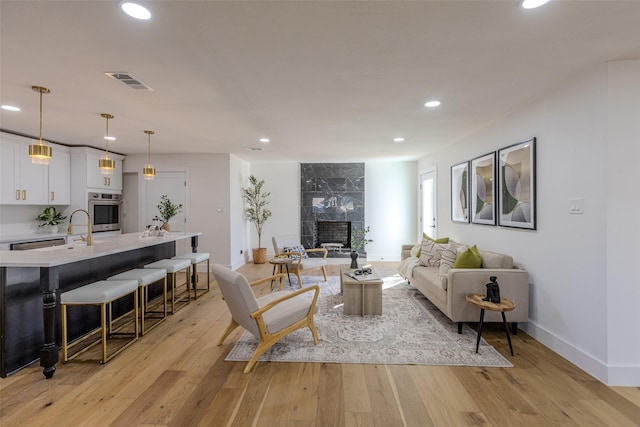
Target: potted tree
<point>50,218</point>
<point>257,213</point>
<point>167,211</point>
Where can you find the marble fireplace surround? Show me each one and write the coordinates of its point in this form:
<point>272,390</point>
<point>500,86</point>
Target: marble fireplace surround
<point>330,192</point>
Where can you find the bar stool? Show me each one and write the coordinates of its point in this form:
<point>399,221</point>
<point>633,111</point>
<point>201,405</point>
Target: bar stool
<point>172,267</point>
<point>196,258</point>
<point>145,278</point>
<point>101,293</point>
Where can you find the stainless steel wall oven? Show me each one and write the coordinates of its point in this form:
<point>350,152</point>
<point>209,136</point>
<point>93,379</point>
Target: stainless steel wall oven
<point>106,211</point>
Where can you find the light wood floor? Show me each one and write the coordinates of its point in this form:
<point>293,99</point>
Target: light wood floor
<point>175,375</point>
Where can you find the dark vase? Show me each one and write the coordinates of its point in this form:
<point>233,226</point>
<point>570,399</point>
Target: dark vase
<point>354,259</point>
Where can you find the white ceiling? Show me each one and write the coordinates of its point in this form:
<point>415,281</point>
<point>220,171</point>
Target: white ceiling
<point>324,80</point>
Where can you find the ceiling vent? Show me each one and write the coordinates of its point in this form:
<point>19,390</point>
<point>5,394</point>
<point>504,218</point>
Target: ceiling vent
<point>129,80</point>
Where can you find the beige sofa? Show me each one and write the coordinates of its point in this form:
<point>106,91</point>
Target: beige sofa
<point>447,292</point>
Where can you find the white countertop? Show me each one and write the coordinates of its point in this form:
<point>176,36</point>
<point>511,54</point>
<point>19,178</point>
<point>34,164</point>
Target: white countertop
<point>66,254</point>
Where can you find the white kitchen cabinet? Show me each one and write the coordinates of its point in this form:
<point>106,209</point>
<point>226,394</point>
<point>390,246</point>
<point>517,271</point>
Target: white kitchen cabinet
<point>97,180</point>
<point>60,176</point>
<point>22,183</point>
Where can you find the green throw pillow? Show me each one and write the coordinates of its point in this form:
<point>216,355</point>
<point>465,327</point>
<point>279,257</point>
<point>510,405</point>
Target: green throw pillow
<point>440,240</point>
<point>469,259</point>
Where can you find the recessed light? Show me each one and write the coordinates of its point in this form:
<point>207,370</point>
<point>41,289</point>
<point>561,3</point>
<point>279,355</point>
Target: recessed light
<point>532,4</point>
<point>134,10</point>
<point>432,104</point>
<point>110,138</point>
<point>264,140</point>
<point>253,149</point>
<point>398,139</point>
<point>10,108</point>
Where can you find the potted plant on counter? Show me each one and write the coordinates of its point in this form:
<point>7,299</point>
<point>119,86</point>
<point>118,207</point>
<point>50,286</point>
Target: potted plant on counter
<point>167,211</point>
<point>257,213</point>
<point>50,218</point>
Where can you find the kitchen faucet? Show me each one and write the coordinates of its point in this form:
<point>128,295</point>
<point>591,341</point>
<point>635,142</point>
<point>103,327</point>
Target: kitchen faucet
<point>89,238</point>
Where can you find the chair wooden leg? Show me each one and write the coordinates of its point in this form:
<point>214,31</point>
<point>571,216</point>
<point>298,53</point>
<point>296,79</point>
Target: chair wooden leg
<point>314,332</point>
<point>299,279</point>
<point>324,272</point>
<point>230,329</point>
<point>262,347</point>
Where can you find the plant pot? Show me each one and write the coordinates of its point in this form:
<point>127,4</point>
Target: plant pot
<point>166,227</point>
<point>354,259</point>
<point>259,255</point>
<point>52,228</point>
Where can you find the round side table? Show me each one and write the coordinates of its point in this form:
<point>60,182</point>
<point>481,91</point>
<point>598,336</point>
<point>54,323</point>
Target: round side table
<point>502,306</point>
<point>278,264</point>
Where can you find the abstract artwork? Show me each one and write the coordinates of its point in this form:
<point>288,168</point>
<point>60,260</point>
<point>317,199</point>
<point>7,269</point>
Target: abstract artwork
<point>460,192</point>
<point>517,184</point>
<point>483,196</point>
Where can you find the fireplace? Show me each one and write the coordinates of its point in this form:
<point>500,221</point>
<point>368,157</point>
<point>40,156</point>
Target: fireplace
<point>333,232</point>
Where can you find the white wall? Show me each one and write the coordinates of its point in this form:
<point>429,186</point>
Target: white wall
<point>623,233</point>
<point>575,293</point>
<point>390,204</point>
<point>282,180</point>
<point>390,208</point>
<point>209,191</point>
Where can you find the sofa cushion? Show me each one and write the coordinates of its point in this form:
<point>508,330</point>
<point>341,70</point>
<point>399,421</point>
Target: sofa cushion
<point>470,258</point>
<point>431,253</point>
<point>415,250</point>
<point>496,260</point>
<point>427,276</point>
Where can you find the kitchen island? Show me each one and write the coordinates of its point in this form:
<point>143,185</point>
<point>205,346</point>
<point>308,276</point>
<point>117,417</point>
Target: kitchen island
<point>31,282</point>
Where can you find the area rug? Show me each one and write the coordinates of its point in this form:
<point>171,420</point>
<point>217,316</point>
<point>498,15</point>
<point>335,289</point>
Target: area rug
<point>410,331</point>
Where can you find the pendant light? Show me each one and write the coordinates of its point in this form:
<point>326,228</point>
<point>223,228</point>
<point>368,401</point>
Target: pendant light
<point>149,172</point>
<point>40,153</point>
<point>107,165</point>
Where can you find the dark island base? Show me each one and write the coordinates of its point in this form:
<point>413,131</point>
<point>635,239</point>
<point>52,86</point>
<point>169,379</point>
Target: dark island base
<point>30,319</point>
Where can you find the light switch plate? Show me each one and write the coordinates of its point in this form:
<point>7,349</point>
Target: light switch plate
<point>576,206</point>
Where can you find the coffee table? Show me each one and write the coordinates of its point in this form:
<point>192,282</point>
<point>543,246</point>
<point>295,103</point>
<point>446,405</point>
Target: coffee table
<point>360,296</point>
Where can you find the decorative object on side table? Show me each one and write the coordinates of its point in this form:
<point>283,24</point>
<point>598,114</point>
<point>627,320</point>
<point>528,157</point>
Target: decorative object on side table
<point>167,211</point>
<point>358,242</point>
<point>257,213</point>
<point>50,218</point>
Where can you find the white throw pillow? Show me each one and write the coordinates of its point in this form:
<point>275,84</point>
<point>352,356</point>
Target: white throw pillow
<point>431,253</point>
<point>296,249</point>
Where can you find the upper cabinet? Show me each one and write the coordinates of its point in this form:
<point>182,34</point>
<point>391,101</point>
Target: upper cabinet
<point>21,182</point>
<point>95,179</point>
<point>86,173</point>
<point>60,176</point>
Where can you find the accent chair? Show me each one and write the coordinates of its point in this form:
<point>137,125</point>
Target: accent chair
<point>270,317</point>
<point>290,246</point>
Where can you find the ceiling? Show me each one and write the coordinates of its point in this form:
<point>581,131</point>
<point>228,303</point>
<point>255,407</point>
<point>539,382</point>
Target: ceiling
<point>323,80</point>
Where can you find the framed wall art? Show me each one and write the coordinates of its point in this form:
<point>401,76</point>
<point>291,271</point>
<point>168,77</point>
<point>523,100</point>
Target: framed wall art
<point>483,196</point>
<point>460,192</point>
<point>517,185</point>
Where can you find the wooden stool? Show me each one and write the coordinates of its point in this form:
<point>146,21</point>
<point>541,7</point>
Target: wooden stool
<point>196,258</point>
<point>101,293</point>
<point>502,306</point>
<point>145,278</point>
<point>172,267</point>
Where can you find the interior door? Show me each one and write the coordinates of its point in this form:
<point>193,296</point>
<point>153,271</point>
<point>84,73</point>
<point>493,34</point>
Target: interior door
<point>174,185</point>
<point>428,211</point>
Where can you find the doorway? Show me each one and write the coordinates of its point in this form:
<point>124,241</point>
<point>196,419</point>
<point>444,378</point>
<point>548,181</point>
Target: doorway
<point>428,209</point>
